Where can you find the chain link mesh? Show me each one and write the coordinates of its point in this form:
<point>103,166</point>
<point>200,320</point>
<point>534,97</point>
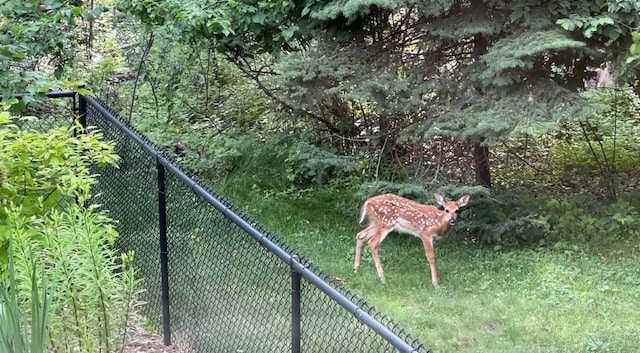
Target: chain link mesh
<point>227,292</point>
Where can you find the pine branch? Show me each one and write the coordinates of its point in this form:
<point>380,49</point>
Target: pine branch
<point>245,68</point>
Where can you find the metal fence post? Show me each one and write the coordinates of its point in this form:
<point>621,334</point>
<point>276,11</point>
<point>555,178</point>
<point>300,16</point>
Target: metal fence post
<point>164,258</point>
<point>82,119</point>
<point>82,112</point>
<point>295,308</point>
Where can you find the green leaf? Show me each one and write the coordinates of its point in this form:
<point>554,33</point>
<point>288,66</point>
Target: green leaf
<point>259,18</point>
<point>289,32</point>
<point>516,14</point>
<point>613,32</point>
<point>19,55</point>
<point>5,117</point>
<point>84,91</point>
<point>606,20</point>
<point>58,72</point>
<point>589,32</point>
<point>4,234</point>
<point>566,24</point>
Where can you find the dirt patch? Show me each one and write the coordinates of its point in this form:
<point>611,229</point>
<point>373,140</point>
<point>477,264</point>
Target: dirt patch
<point>144,341</point>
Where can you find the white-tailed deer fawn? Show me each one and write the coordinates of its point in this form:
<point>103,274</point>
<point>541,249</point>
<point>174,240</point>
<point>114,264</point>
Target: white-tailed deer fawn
<point>389,212</point>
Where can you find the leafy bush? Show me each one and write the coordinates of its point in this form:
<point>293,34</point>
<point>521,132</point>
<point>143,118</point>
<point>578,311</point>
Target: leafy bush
<point>514,218</point>
<point>503,218</point>
<point>210,155</point>
<point>44,181</point>
<point>41,170</point>
<point>309,164</point>
<point>38,44</point>
<point>603,147</point>
<point>598,153</point>
<point>582,219</point>
<point>95,289</point>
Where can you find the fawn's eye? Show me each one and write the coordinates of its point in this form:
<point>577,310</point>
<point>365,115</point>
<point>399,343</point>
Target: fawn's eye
<point>446,210</point>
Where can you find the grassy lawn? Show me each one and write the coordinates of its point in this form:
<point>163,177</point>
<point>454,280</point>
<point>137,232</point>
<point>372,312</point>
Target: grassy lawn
<point>532,299</point>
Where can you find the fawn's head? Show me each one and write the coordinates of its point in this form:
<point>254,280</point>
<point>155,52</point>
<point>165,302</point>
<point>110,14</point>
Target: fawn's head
<point>451,207</point>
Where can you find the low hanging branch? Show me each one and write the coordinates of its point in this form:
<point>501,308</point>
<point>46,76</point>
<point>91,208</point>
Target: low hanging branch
<point>141,64</point>
<point>254,76</point>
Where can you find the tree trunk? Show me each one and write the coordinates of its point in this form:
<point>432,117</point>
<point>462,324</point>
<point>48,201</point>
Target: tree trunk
<point>481,153</point>
<point>481,159</point>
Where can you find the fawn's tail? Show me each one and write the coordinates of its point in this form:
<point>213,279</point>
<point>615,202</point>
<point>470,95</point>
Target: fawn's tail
<point>363,212</point>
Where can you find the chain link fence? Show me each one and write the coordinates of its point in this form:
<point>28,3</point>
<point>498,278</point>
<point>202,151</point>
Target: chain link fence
<point>215,279</point>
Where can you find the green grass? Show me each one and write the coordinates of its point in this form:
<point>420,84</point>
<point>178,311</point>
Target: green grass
<point>530,299</point>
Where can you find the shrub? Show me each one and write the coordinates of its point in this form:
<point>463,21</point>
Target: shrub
<point>596,153</point>
<point>95,290</point>
<point>41,170</point>
<point>503,218</point>
<point>583,219</point>
<point>308,164</point>
<point>44,180</point>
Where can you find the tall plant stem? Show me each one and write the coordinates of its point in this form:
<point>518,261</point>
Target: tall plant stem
<point>141,64</point>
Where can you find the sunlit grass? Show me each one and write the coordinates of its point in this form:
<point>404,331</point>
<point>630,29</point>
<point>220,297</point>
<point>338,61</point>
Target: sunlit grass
<point>530,299</point>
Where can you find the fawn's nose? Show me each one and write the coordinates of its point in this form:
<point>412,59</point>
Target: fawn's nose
<point>453,215</point>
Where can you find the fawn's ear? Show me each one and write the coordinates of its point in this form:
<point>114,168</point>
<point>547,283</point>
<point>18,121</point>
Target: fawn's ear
<point>439,199</point>
<point>464,200</point>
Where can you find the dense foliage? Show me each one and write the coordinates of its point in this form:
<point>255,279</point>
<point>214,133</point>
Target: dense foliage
<point>41,171</point>
<point>89,289</point>
<point>534,98</point>
<point>39,43</point>
<point>64,286</point>
<point>387,79</point>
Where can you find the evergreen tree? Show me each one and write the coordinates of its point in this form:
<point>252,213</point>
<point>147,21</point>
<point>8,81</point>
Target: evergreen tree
<point>395,75</point>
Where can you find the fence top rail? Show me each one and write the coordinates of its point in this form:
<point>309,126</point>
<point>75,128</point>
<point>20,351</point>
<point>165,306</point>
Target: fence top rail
<point>50,94</point>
